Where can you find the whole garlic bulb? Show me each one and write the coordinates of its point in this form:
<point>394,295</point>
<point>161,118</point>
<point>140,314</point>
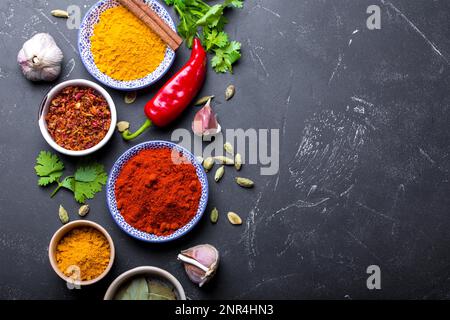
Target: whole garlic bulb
<point>40,58</point>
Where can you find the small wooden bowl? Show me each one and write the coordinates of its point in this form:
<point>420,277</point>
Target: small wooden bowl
<point>61,232</point>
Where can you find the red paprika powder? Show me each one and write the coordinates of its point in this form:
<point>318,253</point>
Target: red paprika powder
<point>156,195</point>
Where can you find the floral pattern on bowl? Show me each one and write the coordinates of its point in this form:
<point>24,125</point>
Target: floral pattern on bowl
<point>84,47</point>
<point>111,198</point>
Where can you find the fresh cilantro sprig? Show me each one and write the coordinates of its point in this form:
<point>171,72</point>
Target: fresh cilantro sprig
<point>198,18</point>
<point>85,183</point>
<point>48,167</point>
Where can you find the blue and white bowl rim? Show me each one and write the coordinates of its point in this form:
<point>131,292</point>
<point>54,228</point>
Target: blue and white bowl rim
<point>132,85</point>
<point>111,201</point>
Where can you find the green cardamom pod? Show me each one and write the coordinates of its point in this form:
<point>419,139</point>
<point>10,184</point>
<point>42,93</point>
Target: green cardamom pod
<point>244,182</point>
<point>130,97</point>
<point>234,218</point>
<point>229,92</point>
<point>63,215</point>
<point>208,163</point>
<point>225,160</point>
<point>219,173</point>
<point>238,161</point>
<point>228,148</point>
<point>203,100</point>
<point>60,13</point>
<point>214,215</point>
<point>84,210</point>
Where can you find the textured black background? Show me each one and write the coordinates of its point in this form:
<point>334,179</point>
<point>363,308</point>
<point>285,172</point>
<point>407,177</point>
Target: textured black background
<point>364,129</point>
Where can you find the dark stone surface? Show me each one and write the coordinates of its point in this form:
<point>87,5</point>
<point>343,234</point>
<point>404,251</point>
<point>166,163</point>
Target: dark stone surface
<point>364,135</point>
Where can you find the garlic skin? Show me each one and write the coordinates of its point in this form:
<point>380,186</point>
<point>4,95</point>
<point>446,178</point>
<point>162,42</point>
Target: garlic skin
<point>205,122</point>
<point>200,263</point>
<point>40,58</point>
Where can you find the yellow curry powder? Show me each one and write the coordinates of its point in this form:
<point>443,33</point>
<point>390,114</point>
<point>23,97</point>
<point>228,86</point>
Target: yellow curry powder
<point>85,248</point>
<point>123,47</point>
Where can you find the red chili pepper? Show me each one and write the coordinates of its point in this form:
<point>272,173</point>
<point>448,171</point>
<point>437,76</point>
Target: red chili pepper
<point>176,94</point>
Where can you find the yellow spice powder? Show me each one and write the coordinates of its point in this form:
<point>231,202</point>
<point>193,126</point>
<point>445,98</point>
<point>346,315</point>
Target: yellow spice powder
<point>85,248</point>
<point>123,47</point>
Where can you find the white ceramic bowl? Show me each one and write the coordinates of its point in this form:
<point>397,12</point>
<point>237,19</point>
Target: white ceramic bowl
<point>145,271</point>
<point>46,103</point>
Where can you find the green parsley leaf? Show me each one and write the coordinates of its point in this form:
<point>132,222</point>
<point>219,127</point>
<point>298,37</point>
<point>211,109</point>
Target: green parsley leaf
<point>197,18</point>
<point>217,62</point>
<point>86,174</point>
<point>211,18</point>
<point>234,3</point>
<point>215,39</point>
<point>68,183</point>
<point>187,29</point>
<point>52,177</point>
<point>48,163</point>
<point>233,51</point>
<point>225,57</point>
<point>87,189</point>
<point>221,23</point>
<point>85,183</point>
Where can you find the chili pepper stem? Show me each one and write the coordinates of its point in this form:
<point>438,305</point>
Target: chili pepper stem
<point>127,135</point>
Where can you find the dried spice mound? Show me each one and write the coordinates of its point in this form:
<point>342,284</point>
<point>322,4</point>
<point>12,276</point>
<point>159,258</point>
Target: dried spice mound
<point>78,118</point>
<point>85,249</point>
<point>157,195</point>
<point>123,47</point>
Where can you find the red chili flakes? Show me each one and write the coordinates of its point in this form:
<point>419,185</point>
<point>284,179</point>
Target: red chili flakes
<point>78,118</point>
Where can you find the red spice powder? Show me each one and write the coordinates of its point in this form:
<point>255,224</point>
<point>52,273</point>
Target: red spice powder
<point>156,195</point>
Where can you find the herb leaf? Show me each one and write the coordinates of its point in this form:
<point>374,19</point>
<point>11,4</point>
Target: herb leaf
<point>52,177</point>
<point>214,38</point>
<point>225,57</point>
<point>211,17</point>
<point>198,18</point>
<point>87,189</point>
<point>234,3</point>
<point>49,167</point>
<point>85,183</point>
<point>158,290</point>
<point>86,174</point>
<point>68,183</point>
<point>137,289</point>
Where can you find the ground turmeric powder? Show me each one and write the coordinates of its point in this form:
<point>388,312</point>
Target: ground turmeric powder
<point>123,47</point>
<point>85,251</point>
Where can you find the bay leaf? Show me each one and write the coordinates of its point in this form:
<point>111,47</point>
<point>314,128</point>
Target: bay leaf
<point>161,289</point>
<point>154,296</point>
<point>136,289</point>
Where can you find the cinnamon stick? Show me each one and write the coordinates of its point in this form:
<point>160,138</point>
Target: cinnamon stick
<point>139,13</point>
<point>152,14</point>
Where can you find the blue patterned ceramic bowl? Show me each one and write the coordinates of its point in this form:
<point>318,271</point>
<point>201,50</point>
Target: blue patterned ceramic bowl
<point>111,198</point>
<point>84,47</point>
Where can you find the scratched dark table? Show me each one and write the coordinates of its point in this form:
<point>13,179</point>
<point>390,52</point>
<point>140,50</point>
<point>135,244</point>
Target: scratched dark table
<point>363,117</point>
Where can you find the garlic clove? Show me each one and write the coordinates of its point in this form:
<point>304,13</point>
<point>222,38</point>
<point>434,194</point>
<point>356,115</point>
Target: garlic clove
<point>200,263</point>
<point>205,121</point>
